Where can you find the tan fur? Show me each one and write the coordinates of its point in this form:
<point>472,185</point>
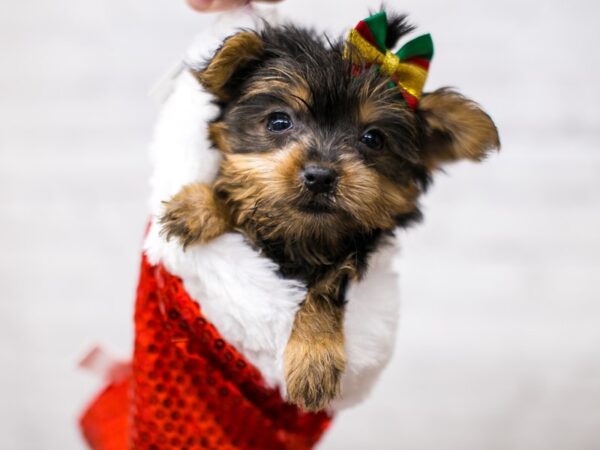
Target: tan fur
<point>217,132</point>
<point>238,50</point>
<point>314,358</point>
<point>457,128</point>
<point>376,97</point>
<point>254,180</point>
<point>261,189</point>
<point>295,87</point>
<point>194,214</point>
<point>372,199</point>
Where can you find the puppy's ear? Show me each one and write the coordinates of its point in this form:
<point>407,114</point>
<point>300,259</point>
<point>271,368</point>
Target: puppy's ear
<point>231,64</point>
<point>455,128</point>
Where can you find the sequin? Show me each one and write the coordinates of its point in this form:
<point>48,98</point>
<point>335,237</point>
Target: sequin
<point>189,389</point>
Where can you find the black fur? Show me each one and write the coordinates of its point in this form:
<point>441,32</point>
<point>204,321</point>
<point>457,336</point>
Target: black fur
<point>293,264</point>
<point>398,27</point>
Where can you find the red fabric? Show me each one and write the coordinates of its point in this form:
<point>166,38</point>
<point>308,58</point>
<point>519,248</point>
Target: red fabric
<point>105,423</point>
<point>189,389</point>
<point>411,101</point>
<point>421,62</point>
<point>363,29</point>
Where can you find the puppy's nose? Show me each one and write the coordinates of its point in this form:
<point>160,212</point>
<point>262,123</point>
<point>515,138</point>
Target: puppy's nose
<point>319,179</point>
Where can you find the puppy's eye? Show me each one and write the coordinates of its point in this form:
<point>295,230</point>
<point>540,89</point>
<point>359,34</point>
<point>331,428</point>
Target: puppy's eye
<point>372,139</point>
<point>278,122</point>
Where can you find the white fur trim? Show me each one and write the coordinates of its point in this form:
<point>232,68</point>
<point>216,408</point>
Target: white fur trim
<point>238,288</point>
<point>181,152</point>
<point>239,291</point>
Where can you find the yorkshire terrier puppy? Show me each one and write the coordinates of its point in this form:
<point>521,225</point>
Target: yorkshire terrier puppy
<point>320,163</point>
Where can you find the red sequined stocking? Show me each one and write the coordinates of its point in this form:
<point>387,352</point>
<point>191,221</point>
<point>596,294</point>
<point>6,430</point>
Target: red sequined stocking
<point>189,389</point>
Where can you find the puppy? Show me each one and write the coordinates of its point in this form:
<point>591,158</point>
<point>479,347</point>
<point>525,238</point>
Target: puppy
<point>322,158</point>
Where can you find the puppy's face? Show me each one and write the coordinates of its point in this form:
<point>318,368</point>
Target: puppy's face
<point>313,150</point>
<point>310,154</point>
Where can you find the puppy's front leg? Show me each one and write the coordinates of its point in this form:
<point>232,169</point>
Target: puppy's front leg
<point>194,214</point>
<point>314,358</point>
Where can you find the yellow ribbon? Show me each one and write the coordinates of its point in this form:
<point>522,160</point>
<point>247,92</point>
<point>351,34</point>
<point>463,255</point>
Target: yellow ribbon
<point>409,77</point>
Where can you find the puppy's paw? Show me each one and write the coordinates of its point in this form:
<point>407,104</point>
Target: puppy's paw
<point>193,215</point>
<point>313,372</point>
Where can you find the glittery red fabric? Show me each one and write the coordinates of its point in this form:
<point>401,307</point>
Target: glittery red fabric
<point>189,389</point>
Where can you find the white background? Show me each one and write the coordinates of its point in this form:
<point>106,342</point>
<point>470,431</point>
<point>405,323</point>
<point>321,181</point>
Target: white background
<point>499,345</point>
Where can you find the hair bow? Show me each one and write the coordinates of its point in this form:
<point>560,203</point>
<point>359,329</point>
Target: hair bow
<point>407,67</point>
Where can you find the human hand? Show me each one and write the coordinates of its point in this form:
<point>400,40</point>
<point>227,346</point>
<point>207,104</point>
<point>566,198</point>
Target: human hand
<point>220,5</point>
